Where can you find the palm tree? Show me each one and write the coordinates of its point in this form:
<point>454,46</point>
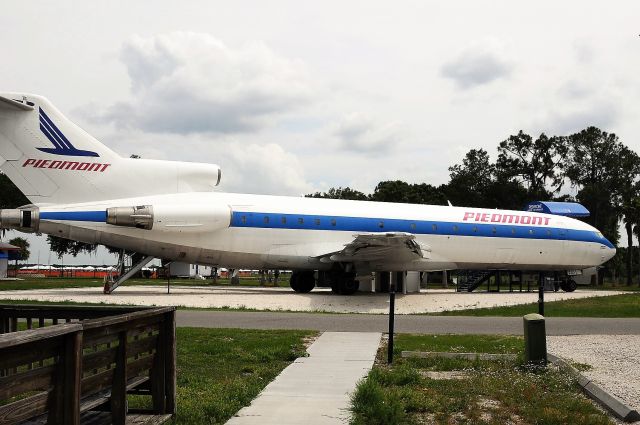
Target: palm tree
<point>24,253</point>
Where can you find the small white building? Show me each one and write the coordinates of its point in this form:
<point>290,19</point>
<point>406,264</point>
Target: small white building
<point>178,269</point>
<point>5,249</point>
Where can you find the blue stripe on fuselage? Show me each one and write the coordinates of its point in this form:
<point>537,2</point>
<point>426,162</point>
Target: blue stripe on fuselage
<point>366,224</point>
<point>97,216</point>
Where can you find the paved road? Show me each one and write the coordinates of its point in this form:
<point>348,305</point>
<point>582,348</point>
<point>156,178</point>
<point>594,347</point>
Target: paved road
<point>404,323</point>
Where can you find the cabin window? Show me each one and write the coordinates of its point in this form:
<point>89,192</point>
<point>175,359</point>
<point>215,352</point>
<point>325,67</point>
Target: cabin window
<point>455,228</point>
<point>333,222</point>
<point>413,226</point>
<point>381,224</point>
<point>475,229</point>
<point>531,231</point>
<point>548,232</point>
<point>494,230</point>
<point>300,220</point>
<point>243,219</point>
<point>513,231</point>
<point>284,220</point>
<point>317,221</point>
<point>266,219</point>
<point>434,227</point>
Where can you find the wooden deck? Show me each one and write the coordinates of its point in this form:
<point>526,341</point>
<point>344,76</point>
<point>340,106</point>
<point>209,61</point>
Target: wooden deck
<point>77,365</point>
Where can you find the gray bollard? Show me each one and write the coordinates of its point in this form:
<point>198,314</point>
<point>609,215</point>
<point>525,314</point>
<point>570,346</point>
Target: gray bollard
<point>535,339</point>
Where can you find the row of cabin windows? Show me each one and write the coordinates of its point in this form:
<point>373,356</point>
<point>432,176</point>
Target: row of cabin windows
<point>434,227</point>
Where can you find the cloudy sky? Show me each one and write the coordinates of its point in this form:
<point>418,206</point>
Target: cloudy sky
<point>291,97</point>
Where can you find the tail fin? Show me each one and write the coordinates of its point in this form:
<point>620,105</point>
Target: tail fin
<point>52,160</point>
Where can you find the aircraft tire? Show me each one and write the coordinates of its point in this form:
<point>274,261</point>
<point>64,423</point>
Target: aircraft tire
<point>349,287</point>
<point>345,287</point>
<point>570,285</point>
<point>302,282</point>
<point>293,281</point>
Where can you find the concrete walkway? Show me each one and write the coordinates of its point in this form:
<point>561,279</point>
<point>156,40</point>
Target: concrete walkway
<point>315,389</point>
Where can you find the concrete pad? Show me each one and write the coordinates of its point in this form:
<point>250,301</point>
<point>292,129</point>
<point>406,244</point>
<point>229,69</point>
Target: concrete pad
<point>315,389</point>
<point>278,299</point>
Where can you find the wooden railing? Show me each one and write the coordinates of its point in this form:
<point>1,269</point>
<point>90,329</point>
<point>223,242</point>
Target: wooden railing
<point>75,363</point>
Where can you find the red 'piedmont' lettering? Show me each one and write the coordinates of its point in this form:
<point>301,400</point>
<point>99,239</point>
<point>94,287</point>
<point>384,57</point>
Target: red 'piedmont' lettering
<point>506,218</point>
<point>98,167</point>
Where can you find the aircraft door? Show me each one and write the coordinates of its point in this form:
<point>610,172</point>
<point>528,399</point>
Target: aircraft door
<point>505,256</point>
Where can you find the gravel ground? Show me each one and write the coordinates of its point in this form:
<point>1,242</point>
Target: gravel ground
<point>278,299</point>
<point>615,361</point>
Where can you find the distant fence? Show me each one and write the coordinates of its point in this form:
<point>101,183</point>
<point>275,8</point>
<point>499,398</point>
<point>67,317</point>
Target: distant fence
<point>74,364</point>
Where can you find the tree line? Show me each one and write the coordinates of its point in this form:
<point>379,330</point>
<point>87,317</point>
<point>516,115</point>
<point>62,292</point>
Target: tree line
<point>603,173</point>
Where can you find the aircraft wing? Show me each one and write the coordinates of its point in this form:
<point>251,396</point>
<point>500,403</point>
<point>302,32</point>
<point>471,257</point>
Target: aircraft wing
<point>389,247</point>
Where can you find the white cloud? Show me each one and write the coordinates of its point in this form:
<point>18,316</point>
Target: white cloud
<point>602,114</point>
<point>186,82</point>
<point>480,63</point>
<point>263,169</point>
<point>359,133</point>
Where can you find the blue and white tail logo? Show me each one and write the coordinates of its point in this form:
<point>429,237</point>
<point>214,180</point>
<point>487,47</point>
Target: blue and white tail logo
<point>62,145</point>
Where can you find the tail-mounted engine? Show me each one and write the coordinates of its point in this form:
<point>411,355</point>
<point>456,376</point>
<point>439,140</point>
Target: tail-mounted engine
<point>171,218</point>
<point>25,220</point>
<point>140,217</point>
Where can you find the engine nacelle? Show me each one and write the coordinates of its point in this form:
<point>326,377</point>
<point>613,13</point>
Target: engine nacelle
<point>172,218</point>
<point>26,220</point>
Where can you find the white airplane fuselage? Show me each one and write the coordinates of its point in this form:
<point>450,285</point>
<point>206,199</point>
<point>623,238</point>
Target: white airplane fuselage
<point>270,232</point>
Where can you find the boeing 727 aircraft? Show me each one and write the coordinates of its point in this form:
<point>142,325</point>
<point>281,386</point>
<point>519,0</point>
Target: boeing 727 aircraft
<point>82,190</point>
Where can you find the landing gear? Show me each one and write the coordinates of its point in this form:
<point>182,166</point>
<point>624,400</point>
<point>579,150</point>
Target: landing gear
<point>341,282</point>
<point>344,283</point>
<point>568,285</point>
<point>302,281</point>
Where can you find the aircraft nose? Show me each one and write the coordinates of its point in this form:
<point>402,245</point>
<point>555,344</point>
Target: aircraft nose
<point>607,250</point>
<point>609,253</point>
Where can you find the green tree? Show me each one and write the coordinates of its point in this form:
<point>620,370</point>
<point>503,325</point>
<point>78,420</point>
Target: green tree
<point>469,182</point>
<point>340,193</point>
<point>593,166</point>
<point>536,163</point>
<point>66,246</point>
<point>400,191</point>
<point>24,253</point>
<point>626,198</point>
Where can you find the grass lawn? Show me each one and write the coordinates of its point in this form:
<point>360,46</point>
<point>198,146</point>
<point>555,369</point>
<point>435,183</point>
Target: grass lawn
<point>490,392</point>
<point>61,282</point>
<point>222,370</point>
<point>626,305</point>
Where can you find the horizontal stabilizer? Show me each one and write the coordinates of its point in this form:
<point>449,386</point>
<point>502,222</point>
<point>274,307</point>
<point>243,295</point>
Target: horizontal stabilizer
<point>14,105</point>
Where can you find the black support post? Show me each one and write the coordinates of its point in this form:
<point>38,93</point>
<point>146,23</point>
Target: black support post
<point>392,305</point>
<point>541,294</point>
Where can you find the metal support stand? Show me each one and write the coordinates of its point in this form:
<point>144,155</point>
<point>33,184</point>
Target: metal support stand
<point>392,311</point>
<point>541,295</point>
<point>109,287</point>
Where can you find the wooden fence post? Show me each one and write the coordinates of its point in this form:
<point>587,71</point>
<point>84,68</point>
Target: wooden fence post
<point>72,377</point>
<point>119,389</point>
<point>157,373</point>
<point>170,361</point>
